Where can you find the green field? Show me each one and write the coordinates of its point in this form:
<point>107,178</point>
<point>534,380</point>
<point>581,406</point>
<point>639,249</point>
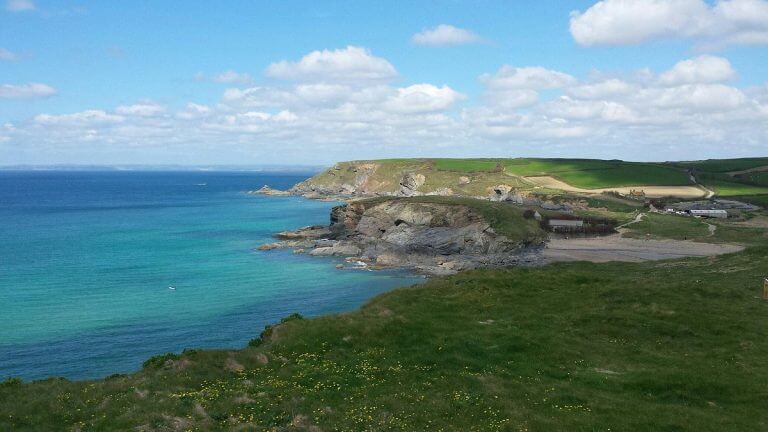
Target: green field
<point>675,346</point>
<point>759,178</point>
<point>726,165</point>
<point>668,226</point>
<point>731,189</point>
<point>465,165</point>
<point>594,174</point>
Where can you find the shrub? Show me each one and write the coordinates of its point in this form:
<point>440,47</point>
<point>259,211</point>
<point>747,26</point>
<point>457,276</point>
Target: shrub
<point>291,317</point>
<point>11,382</point>
<point>159,360</point>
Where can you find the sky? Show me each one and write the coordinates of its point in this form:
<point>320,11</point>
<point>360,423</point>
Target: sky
<point>314,82</point>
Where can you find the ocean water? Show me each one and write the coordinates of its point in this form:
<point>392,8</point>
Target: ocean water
<point>87,258</point>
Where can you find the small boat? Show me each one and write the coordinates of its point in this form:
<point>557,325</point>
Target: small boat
<point>172,288</point>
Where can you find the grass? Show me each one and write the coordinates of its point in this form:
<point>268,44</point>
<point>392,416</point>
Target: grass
<point>668,227</point>
<point>726,165</point>
<point>674,346</point>
<point>485,173</point>
<point>662,226</point>
<point>465,165</point>
<point>731,189</point>
<point>594,174</point>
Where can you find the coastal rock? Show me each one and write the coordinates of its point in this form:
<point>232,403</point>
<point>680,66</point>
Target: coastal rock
<point>336,249</point>
<point>430,237</point>
<point>308,232</point>
<point>266,190</point>
<point>463,180</point>
<point>269,246</point>
<point>411,183</point>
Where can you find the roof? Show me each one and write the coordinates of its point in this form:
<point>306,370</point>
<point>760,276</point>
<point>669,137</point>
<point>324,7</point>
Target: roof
<point>566,223</point>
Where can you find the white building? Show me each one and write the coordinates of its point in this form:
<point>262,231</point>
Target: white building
<point>721,214</point>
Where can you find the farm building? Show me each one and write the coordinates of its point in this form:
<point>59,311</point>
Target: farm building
<point>720,214</point>
<point>565,225</point>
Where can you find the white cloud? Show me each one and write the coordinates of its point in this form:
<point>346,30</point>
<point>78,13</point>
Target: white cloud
<point>232,77</point>
<point>623,22</point>
<point>19,5</point>
<point>147,109</point>
<point>445,35</point>
<point>26,91</point>
<point>348,65</point>
<point>689,111</point>
<point>6,55</point>
<point>84,118</point>
<point>421,98</point>
<point>702,69</point>
<point>603,89</point>
<point>533,78</point>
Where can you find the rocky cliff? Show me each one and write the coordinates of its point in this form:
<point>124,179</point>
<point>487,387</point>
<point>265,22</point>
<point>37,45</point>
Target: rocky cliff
<point>433,235</point>
<point>410,177</point>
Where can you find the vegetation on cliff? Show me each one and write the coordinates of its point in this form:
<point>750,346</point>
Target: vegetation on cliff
<point>654,346</point>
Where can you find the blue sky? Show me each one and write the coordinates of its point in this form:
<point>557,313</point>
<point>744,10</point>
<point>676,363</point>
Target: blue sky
<point>100,56</point>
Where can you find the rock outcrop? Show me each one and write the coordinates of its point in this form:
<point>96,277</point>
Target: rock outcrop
<point>429,237</point>
<point>266,190</point>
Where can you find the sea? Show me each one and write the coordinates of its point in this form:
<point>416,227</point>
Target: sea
<point>101,270</point>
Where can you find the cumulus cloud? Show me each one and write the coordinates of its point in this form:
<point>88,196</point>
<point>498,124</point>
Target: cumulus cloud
<point>84,118</point>
<point>6,55</point>
<point>26,91</point>
<point>232,77</point>
<point>623,22</point>
<point>19,5</point>
<point>422,98</point>
<point>690,110</point>
<point>147,109</point>
<point>350,64</point>
<point>532,78</point>
<point>703,69</point>
<point>445,35</point>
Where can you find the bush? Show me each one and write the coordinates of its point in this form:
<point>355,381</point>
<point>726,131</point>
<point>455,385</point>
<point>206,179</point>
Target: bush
<point>11,382</point>
<point>159,360</point>
<point>291,317</point>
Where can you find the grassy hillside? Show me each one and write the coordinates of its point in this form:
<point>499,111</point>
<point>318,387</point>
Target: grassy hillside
<point>726,165</point>
<point>594,174</point>
<point>573,347</point>
<point>475,177</point>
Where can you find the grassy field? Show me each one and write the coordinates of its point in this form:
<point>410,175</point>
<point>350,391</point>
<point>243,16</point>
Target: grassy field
<point>674,346</point>
<point>661,226</point>
<point>730,189</point>
<point>487,173</point>
<point>593,174</point>
<point>759,178</point>
<point>668,227</point>
<point>465,165</point>
<point>726,165</point>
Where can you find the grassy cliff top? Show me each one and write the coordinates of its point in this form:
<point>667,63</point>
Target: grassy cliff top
<point>477,177</point>
<point>583,173</point>
<point>675,345</point>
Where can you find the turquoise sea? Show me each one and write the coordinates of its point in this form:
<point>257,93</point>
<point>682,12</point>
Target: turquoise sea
<point>87,258</point>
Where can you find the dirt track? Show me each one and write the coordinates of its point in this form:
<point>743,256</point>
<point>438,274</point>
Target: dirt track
<point>616,248</point>
<point>650,191</point>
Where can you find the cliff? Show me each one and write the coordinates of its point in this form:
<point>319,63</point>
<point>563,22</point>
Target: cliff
<point>410,177</point>
<point>434,235</point>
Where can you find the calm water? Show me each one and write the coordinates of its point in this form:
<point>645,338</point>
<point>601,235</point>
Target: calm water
<point>86,260</point>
